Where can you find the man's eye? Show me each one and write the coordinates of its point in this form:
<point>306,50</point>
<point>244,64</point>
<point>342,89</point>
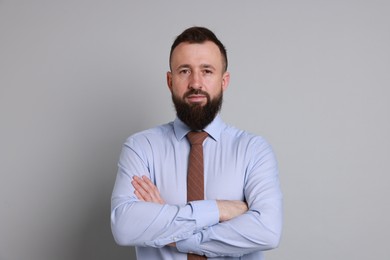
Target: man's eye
<point>184,71</point>
<point>207,72</point>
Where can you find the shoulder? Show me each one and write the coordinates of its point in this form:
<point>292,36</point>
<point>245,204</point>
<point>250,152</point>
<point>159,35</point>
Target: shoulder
<point>254,148</point>
<point>155,134</point>
<point>242,136</point>
<point>245,142</point>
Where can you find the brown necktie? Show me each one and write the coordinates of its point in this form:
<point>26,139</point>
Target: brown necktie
<point>195,179</point>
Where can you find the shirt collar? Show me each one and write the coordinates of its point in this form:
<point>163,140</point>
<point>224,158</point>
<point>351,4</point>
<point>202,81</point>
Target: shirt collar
<point>214,129</point>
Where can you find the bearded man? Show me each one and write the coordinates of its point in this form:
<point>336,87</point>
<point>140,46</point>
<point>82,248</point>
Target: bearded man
<point>238,213</point>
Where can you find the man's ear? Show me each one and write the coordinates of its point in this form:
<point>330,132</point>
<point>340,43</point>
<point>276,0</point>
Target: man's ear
<point>225,80</point>
<point>169,80</point>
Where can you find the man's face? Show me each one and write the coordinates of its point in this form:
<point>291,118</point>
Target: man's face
<point>197,79</point>
<point>197,66</point>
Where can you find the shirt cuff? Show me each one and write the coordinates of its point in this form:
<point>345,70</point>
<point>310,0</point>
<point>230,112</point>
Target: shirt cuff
<point>190,245</point>
<point>205,212</point>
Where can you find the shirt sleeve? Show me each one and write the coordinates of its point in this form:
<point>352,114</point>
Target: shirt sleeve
<point>136,223</point>
<point>259,228</point>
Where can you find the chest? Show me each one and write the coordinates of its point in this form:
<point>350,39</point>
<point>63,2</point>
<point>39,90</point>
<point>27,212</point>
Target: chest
<point>225,171</point>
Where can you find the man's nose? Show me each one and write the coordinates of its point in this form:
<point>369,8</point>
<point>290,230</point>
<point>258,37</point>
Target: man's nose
<point>195,81</point>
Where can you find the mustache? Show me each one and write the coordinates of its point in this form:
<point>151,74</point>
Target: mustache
<point>196,92</point>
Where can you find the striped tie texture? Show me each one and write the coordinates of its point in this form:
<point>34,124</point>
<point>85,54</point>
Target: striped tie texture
<point>195,179</point>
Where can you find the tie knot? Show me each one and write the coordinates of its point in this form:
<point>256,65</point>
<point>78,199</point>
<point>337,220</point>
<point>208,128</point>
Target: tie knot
<point>196,137</point>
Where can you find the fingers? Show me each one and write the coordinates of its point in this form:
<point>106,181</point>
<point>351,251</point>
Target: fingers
<point>141,189</point>
<point>140,192</point>
<point>145,190</point>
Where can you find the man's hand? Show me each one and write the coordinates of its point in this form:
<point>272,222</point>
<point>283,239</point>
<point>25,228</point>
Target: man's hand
<point>229,209</point>
<point>145,190</point>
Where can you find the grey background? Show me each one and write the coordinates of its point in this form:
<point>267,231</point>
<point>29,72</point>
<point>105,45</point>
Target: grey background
<point>78,77</point>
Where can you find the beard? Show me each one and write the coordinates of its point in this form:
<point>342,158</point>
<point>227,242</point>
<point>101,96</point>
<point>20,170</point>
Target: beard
<point>196,116</point>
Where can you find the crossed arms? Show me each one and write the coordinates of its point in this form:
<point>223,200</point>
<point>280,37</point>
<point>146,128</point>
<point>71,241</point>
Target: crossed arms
<point>140,216</point>
<point>146,191</point>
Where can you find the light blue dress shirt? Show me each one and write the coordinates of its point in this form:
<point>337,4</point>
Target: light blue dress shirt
<point>238,166</point>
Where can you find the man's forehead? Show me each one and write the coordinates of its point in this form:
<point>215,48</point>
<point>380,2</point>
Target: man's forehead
<point>206,46</point>
<point>204,54</point>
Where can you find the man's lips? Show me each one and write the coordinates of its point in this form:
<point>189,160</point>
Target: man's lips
<point>196,98</point>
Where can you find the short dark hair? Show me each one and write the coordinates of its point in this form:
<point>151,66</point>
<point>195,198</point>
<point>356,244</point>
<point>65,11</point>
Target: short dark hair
<point>199,35</point>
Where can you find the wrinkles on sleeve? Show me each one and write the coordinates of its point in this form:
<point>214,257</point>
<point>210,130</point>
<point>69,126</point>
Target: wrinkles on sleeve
<point>206,214</point>
<point>155,225</point>
<point>136,223</point>
<point>260,227</point>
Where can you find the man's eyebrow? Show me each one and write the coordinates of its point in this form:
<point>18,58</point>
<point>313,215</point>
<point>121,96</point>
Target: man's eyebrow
<point>203,66</point>
<point>182,66</point>
<point>207,66</point>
